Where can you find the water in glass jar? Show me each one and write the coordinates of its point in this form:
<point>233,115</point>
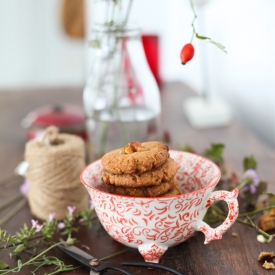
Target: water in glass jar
<point>113,129</point>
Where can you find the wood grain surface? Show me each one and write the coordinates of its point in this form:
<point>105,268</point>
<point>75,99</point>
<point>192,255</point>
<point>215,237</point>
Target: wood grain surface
<point>230,255</point>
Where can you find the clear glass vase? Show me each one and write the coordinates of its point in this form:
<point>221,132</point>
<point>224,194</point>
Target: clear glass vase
<point>121,96</point>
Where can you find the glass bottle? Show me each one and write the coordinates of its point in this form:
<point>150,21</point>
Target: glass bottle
<point>121,96</point>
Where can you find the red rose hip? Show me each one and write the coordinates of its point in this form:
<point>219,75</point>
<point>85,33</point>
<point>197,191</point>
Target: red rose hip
<point>187,53</point>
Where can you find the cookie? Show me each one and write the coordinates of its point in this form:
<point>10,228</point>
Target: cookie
<point>267,221</point>
<point>135,157</point>
<point>153,177</point>
<point>173,192</point>
<point>150,191</point>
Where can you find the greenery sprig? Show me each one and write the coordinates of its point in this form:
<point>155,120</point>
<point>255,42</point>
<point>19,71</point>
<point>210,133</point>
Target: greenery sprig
<point>115,6</point>
<point>250,185</point>
<point>27,239</point>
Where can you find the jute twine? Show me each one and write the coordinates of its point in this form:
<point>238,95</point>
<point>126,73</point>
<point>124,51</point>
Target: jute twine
<point>55,164</point>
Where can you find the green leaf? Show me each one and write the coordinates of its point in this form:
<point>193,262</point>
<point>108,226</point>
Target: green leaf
<point>70,241</point>
<point>3,265</point>
<point>186,148</point>
<point>19,264</point>
<point>220,46</point>
<point>95,43</point>
<point>249,163</point>
<point>19,248</point>
<point>25,241</point>
<point>202,37</point>
<point>215,153</point>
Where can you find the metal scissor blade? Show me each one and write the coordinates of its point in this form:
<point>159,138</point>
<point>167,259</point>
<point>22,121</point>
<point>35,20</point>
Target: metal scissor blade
<point>96,267</point>
<point>78,254</point>
<point>153,265</point>
<point>94,272</point>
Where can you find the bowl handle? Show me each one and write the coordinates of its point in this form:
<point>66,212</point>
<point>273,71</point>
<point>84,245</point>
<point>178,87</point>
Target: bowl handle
<point>233,206</point>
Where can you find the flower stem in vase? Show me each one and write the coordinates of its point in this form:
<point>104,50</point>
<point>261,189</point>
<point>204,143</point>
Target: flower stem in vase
<point>121,97</point>
<point>103,139</point>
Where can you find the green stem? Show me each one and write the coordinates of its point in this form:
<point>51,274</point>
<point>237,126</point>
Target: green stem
<point>250,223</point>
<point>218,210</point>
<point>254,226</point>
<point>116,87</point>
<point>137,129</point>
<point>11,201</point>
<point>128,12</point>
<point>244,183</point>
<point>31,239</point>
<point>113,14</point>
<point>256,211</point>
<point>269,193</point>
<point>103,139</point>
<point>14,211</point>
<point>123,130</point>
<point>113,255</point>
<point>65,269</point>
<point>193,21</point>
<point>17,269</point>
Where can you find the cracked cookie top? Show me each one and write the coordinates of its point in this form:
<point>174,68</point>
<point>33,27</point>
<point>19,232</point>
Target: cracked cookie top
<point>135,157</point>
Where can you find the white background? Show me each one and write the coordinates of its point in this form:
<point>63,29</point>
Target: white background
<point>35,53</point>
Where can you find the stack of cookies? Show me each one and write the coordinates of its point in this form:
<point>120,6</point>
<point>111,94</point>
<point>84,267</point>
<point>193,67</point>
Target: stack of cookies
<point>140,170</point>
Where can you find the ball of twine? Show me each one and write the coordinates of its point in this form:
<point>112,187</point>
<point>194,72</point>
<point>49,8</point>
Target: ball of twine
<point>55,164</point>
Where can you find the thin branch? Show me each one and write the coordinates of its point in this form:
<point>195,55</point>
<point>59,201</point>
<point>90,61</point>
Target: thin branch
<point>9,179</point>
<point>269,193</point>
<point>33,259</point>
<point>194,19</point>
<point>243,184</point>
<point>11,201</point>
<point>14,211</point>
<point>251,224</point>
<point>31,239</point>
<point>218,210</point>
<point>128,12</point>
<point>113,255</point>
<point>256,211</point>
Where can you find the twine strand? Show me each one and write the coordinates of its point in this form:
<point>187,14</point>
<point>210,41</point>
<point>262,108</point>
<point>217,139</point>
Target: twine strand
<point>50,136</point>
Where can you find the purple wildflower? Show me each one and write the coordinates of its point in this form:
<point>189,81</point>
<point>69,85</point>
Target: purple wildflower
<point>24,188</point>
<point>85,247</point>
<point>61,225</point>
<point>51,217</point>
<point>254,178</point>
<point>36,225</point>
<point>39,228</point>
<point>80,221</point>
<point>71,210</point>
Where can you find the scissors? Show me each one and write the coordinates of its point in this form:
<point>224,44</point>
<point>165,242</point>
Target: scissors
<point>98,267</point>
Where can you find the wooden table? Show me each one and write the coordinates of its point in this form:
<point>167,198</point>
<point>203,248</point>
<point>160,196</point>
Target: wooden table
<point>231,255</point>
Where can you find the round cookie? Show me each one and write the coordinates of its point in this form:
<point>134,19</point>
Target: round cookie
<point>173,192</point>
<point>163,173</point>
<point>135,157</point>
<point>150,191</point>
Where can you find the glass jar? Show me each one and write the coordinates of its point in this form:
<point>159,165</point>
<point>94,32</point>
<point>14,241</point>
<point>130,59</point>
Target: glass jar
<point>121,96</point>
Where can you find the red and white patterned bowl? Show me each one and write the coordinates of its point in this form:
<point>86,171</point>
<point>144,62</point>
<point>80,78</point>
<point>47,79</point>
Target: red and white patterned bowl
<point>153,224</point>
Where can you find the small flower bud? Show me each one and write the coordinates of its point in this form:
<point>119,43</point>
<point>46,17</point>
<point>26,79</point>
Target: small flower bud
<point>19,248</point>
